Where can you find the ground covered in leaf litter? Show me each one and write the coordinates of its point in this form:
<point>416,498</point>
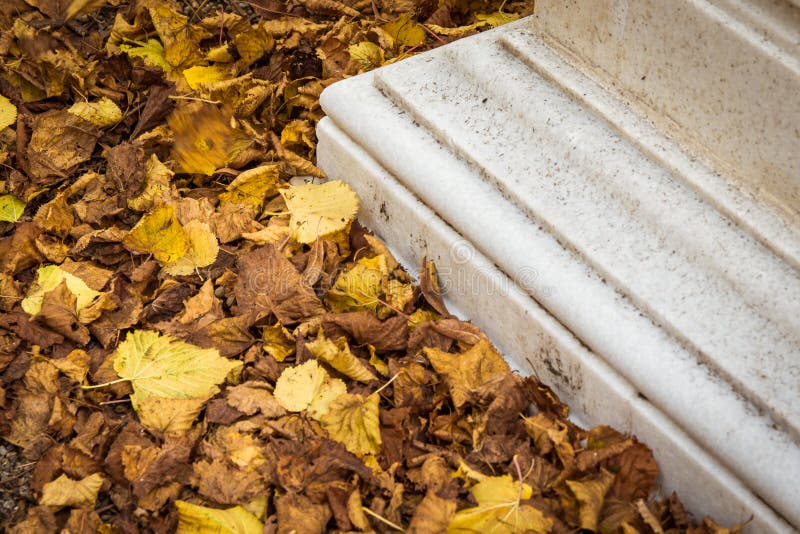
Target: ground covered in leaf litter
<point>188,342</point>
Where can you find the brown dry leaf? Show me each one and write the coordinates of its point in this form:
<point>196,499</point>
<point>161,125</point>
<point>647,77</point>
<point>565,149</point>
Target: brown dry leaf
<point>59,142</point>
<point>252,397</point>
<point>464,373</point>
<point>65,491</point>
<point>297,514</point>
<point>433,514</point>
<point>166,415</point>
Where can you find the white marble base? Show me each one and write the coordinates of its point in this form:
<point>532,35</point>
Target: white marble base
<point>595,252</point>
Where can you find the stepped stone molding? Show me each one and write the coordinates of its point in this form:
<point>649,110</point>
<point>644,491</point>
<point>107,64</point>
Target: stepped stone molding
<point>605,245</point>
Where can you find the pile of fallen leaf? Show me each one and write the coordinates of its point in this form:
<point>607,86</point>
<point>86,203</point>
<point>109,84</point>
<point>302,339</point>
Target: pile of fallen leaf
<point>192,339</point>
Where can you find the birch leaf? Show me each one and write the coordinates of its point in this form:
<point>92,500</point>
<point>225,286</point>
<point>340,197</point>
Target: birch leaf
<point>158,233</point>
<point>151,52</point>
<point>319,210</point>
<point>203,250</point>
<point>252,186</point>
<point>102,113</point>
<point>158,365</point>
<point>11,208</point>
<point>8,113</point>
<point>353,421</point>
<point>359,288</point>
<point>195,519</point>
<point>50,277</point>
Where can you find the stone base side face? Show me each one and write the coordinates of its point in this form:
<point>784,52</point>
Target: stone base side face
<point>722,75</point>
<point>643,284</point>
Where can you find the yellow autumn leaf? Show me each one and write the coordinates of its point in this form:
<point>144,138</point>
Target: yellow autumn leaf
<point>11,208</point>
<point>298,133</point>
<point>202,252</point>
<point>65,491</point>
<point>367,55</point>
<point>498,18</point>
<point>459,31</point>
<point>308,387</point>
<point>337,354</point>
<point>252,186</point>
<point>195,519</point>
<point>467,371</point>
<point>360,287</point>
<point>50,277</point>
<point>156,186</point>
<point>590,494</point>
<point>278,342</point>
<point>376,362</point>
<point>204,139</point>
<point>405,31</point>
<point>319,210</point>
<point>151,52</point>
<point>167,415</point>
<point>8,113</point>
<point>102,113</point>
<point>158,233</point>
<point>158,365</point>
<point>354,421</point>
<point>499,510</point>
<point>198,76</point>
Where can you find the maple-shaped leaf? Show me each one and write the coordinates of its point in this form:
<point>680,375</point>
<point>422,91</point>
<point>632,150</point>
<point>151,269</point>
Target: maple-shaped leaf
<point>204,139</point>
<point>500,510</point>
<point>360,287</point>
<point>151,52</point>
<point>590,494</point>
<point>102,113</point>
<point>252,186</point>
<point>8,113</point>
<point>158,365</point>
<point>65,491</point>
<point>195,519</point>
<point>467,371</point>
<point>354,421</point>
<point>308,387</point>
<point>337,354</point>
<point>202,252</point>
<point>318,210</point>
<point>11,208</point>
<point>158,233</point>
<point>50,277</point>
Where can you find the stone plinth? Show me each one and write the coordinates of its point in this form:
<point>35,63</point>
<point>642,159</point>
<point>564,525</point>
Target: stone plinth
<point>605,231</point>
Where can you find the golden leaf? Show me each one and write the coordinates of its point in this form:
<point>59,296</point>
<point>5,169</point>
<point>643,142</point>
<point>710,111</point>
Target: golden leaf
<point>358,288</point>
<point>198,76</point>
<point>308,387</point>
<point>405,31</point>
<point>8,113</point>
<point>204,139</point>
<point>151,52</point>
<point>468,371</point>
<point>195,519</point>
<point>158,365</point>
<point>277,342</point>
<point>50,277</point>
<point>166,415</point>
<point>11,208</point>
<point>499,510</point>
<point>65,491</point>
<point>203,250</point>
<point>160,234</point>
<point>318,210</point>
<point>590,494</point>
<point>102,113</point>
<point>498,18</point>
<point>366,55</point>
<point>337,354</point>
<point>252,186</point>
<point>459,31</point>
<point>353,421</point>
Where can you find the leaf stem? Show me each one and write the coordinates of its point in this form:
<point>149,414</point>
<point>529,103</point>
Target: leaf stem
<point>104,384</point>
<point>382,519</point>
<point>386,384</point>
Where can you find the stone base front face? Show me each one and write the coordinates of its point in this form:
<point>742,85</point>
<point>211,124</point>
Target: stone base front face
<point>597,252</point>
